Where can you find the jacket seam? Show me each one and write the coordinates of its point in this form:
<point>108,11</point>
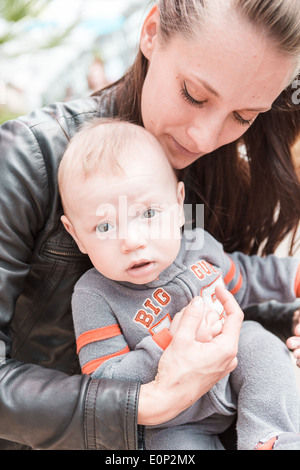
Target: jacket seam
<point>62,116</point>
<point>126,417</point>
<point>90,415</point>
<point>131,389</point>
<point>44,160</point>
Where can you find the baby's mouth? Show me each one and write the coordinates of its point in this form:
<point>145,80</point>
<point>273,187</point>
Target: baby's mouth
<point>141,268</point>
<point>140,264</point>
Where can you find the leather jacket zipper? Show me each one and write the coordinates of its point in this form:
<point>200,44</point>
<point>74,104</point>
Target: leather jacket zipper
<point>64,253</point>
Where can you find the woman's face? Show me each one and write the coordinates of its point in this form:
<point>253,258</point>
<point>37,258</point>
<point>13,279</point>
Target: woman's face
<point>200,94</point>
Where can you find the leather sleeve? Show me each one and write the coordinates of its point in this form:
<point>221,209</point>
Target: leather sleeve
<point>109,425</point>
<point>39,407</point>
<point>46,409</point>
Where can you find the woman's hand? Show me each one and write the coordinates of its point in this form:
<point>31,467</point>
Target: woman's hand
<point>189,368</point>
<point>293,342</point>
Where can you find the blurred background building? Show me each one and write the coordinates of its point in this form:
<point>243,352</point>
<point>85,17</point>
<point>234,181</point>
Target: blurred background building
<point>55,50</point>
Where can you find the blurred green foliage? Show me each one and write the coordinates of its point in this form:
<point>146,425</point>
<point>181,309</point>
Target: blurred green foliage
<point>6,115</point>
<point>16,16</point>
<point>15,11</point>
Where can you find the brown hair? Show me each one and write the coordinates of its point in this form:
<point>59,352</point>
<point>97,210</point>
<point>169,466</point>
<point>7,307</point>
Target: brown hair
<point>252,202</point>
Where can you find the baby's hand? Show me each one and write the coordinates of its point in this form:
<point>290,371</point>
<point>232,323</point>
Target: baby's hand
<point>210,324</point>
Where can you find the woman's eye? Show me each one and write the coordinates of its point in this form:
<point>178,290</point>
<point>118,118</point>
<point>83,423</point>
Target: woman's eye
<point>243,122</point>
<point>149,213</point>
<point>188,98</point>
<point>104,228</point>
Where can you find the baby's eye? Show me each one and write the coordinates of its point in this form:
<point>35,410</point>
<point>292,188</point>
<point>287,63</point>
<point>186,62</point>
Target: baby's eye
<point>104,228</point>
<point>149,213</point>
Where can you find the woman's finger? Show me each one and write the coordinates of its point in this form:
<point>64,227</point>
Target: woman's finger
<point>175,322</point>
<point>231,307</point>
<point>233,321</point>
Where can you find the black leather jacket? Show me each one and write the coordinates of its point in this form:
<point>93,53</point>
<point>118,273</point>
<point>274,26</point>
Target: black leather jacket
<point>45,403</point>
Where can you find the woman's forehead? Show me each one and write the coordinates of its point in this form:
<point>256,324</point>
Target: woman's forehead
<point>231,56</point>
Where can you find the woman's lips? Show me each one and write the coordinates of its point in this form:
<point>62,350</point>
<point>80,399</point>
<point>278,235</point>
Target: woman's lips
<point>184,150</point>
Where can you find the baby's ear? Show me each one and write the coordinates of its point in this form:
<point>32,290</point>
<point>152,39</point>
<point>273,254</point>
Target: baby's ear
<point>180,200</point>
<point>69,228</point>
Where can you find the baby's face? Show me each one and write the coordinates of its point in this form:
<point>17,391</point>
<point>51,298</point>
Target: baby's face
<point>129,224</point>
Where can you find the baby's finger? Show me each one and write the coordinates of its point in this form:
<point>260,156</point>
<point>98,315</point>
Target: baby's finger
<point>217,328</point>
<point>293,342</point>
<point>211,317</point>
<point>176,322</point>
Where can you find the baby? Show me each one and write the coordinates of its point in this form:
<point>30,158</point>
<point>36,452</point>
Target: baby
<point>124,208</point>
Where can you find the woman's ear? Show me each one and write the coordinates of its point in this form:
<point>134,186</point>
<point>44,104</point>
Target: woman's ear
<point>69,228</point>
<point>149,33</point>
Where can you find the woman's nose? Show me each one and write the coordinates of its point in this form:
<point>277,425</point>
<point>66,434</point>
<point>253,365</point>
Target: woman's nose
<point>206,137</point>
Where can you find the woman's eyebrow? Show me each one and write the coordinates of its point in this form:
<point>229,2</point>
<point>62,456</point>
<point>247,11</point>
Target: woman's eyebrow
<point>206,86</point>
<point>210,89</point>
<point>215,93</point>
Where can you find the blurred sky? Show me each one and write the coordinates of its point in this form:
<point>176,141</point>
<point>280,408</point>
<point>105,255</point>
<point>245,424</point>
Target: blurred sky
<point>31,76</point>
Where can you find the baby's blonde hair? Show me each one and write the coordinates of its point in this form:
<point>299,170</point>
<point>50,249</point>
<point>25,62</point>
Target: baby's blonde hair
<point>101,145</point>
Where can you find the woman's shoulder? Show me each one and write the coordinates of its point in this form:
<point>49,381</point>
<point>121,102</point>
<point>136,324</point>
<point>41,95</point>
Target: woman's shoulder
<point>32,146</point>
<point>41,137</point>
<point>60,120</point>
<point>64,118</point>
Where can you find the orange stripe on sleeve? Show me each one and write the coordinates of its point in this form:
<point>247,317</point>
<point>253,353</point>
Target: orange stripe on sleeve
<point>230,274</point>
<point>97,335</point>
<point>237,286</point>
<point>297,282</point>
<point>91,366</point>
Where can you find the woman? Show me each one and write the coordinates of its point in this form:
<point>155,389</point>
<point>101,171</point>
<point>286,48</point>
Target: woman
<point>203,75</point>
